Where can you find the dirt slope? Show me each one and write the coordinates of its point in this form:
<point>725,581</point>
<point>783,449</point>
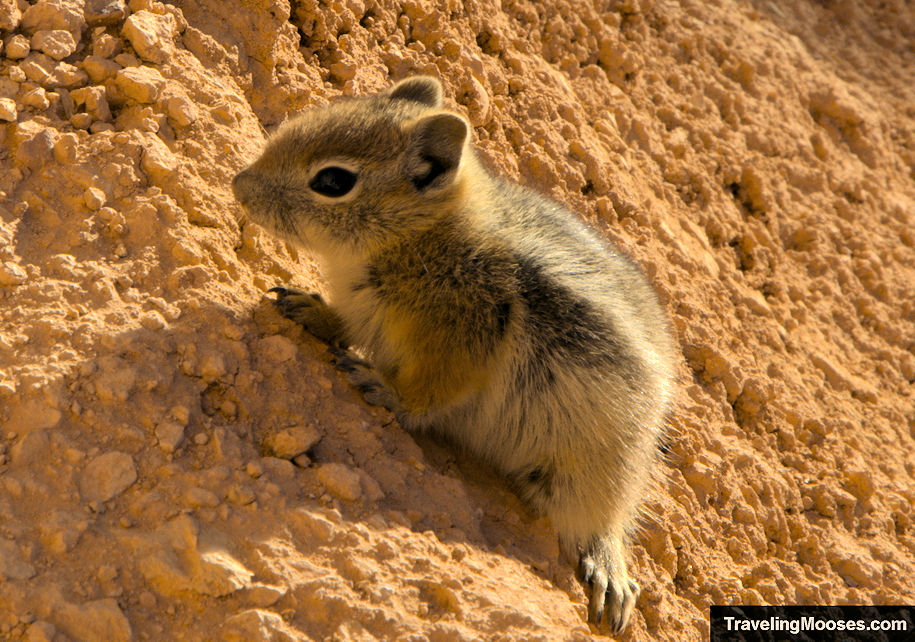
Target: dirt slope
<point>179,462</point>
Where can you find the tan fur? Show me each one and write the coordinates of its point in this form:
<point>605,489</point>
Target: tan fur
<point>490,314</point>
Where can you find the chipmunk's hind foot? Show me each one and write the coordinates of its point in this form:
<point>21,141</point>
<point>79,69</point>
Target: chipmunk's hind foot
<point>613,593</point>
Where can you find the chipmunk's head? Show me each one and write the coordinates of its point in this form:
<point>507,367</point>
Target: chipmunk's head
<point>359,171</point>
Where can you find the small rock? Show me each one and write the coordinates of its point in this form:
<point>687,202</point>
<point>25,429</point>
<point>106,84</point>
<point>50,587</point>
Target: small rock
<point>856,570</point>
<point>18,47</point>
<point>12,274</point>
<point>127,60</point>
<point>240,495</point>
<point>340,480</point>
<point>254,469</point>
<point>106,46</point>
<point>9,15</point>
<point>220,573</point>
<point>293,441</point>
<point>276,468</point>
<point>824,500</point>
<point>94,198</point>
<point>199,497</point>
<point>370,487</point>
<point>65,148</point>
<point>180,414</point>
<point>263,594</point>
<point>104,12</point>
<point>157,160</point>
<point>701,478</point>
<point>8,110</point>
<point>211,365</point>
<point>51,14</point>
<point>142,84</point>
<point>37,68</point>
<point>56,43</point>
<point>107,476</point>
<point>255,624</point>
<point>860,483</point>
<point>67,76</point>
<point>170,435</point>
<point>37,99</point>
<point>81,120</point>
<point>35,150</point>
<point>106,573</point>
<point>313,525</point>
<point>277,348</point>
<point>99,69</point>
<point>151,35</point>
<point>181,110</point>
<point>94,100</point>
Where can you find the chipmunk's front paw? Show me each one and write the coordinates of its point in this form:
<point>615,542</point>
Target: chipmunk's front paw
<point>309,310</point>
<point>366,380</point>
<point>613,593</point>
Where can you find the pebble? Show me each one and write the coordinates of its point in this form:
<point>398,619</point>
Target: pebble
<point>95,101</point>
<point>94,198</point>
<point>181,110</point>
<point>81,120</point>
<point>170,435</point>
<point>340,480</point>
<point>315,526</point>
<point>18,47</point>
<point>37,99</point>
<point>104,12</point>
<point>107,476</point>
<point>293,441</point>
<point>240,495</point>
<point>220,573</point>
<point>199,497</point>
<point>12,274</point>
<point>264,594</point>
<point>141,84</point>
<point>254,624</point>
<point>56,43</point>
<point>277,348</point>
<point>151,34</point>
<point>48,14</point>
<point>99,69</point>
<point>8,111</point>
<point>9,15</point>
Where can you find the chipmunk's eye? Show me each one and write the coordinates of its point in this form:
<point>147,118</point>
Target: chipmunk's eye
<point>333,182</point>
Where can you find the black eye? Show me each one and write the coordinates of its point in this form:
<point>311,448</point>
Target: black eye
<point>333,182</point>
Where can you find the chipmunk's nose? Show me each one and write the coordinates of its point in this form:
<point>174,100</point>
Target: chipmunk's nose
<point>241,186</point>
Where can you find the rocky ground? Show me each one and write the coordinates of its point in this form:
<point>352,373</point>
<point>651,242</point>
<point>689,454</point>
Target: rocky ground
<point>179,462</point>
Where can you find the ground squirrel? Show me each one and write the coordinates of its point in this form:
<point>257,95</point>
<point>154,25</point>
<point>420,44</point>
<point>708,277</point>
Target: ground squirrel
<point>489,313</point>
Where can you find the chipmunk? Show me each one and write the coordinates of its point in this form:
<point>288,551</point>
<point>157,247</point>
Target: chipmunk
<point>485,312</point>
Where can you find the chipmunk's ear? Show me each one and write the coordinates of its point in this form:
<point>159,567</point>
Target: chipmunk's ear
<point>421,89</point>
<point>435,150</point>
